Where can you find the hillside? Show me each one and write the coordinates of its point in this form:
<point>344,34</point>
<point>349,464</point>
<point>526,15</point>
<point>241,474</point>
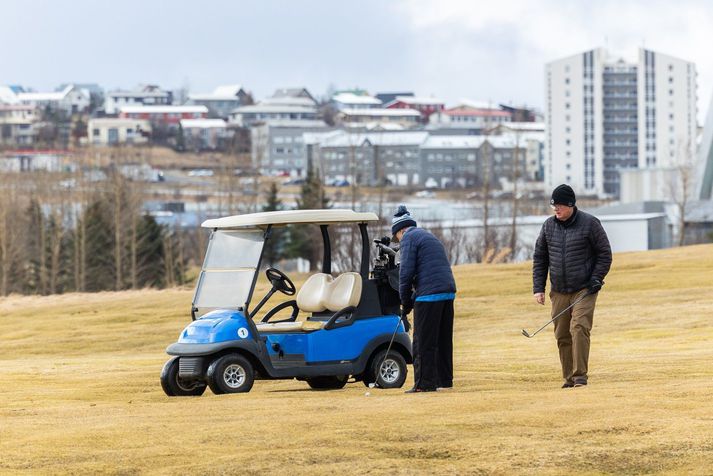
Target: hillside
<point>81,393</point>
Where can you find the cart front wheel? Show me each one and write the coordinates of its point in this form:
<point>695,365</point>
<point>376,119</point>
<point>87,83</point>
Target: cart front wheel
<point>231,373</point>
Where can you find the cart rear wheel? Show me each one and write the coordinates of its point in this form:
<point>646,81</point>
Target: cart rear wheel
<point>173,386</point>
<point>386,371</point>
<point>231,373</point>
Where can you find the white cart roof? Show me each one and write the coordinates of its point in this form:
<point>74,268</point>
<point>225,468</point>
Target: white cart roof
<point>288,217</point>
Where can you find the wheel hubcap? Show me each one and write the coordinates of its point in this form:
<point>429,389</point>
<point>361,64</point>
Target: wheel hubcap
<point>389,371</point>
<point>234,375</point>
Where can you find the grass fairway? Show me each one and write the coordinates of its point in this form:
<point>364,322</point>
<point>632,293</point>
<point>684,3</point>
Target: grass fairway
<point>80,390</point>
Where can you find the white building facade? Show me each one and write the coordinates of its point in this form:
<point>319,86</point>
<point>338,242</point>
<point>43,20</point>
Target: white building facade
<point>604,115</point>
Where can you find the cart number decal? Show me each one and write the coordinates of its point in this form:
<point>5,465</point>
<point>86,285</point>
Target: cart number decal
<point>242,333</point>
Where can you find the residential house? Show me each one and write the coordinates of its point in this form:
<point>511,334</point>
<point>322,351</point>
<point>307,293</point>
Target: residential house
<point>386,98</point>
<point>426,106</point>
<point>70,100</point>
<point>222,101</point>
<point>116,131</point>
<point>248,116</point>
<point>17,124</point>
<point>205,134</point>
<point>405,117</point>
<point>352,101</point>
<point>163,116</point>
<point>472,115</point>
<point>144,95</point>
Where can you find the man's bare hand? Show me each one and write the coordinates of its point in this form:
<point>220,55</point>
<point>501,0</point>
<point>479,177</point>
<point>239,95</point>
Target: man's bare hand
<point>540,298</point>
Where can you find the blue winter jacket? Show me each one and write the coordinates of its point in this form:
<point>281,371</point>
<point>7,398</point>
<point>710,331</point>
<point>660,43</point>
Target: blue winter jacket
<point>424,267</point>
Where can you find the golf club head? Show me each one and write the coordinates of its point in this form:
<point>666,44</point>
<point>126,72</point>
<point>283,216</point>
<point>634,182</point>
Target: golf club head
<point>372,385</point>
<point>525,333</point>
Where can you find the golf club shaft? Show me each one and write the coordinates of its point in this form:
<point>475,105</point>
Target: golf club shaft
<point>388,349</point>
<point>560,313</point>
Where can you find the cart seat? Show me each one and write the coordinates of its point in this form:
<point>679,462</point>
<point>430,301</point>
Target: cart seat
<point>322,293</point>
<point>318,294</point>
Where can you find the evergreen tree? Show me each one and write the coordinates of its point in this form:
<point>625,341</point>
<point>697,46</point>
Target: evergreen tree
<point>150,253</point>
<point>100,272</point>
<point>180,139</point>
<point>35,251</point>
<point>304,239</point>
<point>274,249</point>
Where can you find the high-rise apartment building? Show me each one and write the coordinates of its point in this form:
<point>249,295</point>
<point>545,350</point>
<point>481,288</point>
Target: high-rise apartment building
<point>604,114</point>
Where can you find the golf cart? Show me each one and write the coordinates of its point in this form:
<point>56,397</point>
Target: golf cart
<point>341,326</point>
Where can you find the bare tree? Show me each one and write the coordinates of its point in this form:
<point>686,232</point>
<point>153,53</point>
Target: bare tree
<point>681,187</point>
<point>516,174</point>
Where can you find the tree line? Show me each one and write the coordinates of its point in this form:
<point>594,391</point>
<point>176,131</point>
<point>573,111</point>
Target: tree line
<point>57,238</point>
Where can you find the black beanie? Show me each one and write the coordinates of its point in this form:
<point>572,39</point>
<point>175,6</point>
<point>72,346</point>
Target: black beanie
<point>563,195</point>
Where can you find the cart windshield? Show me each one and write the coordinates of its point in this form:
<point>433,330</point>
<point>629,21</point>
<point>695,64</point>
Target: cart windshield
<point>228,269</point>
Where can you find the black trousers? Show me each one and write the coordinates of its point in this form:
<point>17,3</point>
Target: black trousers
<point>433,344</point>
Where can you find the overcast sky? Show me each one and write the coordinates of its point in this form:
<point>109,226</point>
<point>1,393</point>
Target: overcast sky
<point>482,50</point>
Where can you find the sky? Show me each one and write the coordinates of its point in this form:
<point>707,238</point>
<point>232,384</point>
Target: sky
<point>448,49</point>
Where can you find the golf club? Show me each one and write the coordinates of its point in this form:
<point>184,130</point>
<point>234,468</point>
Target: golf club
<point>527,334</point>
<point>388,349</point>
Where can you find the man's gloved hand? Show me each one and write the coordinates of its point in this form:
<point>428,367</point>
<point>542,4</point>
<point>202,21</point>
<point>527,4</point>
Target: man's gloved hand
<point>405,310</point>
<point>594,285</point>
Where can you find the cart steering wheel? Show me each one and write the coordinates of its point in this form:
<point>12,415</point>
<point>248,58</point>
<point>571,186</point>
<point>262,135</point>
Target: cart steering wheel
<point>280,281</point>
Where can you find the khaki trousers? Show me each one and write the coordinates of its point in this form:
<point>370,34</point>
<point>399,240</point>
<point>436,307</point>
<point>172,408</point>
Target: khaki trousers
<point>572,332</point>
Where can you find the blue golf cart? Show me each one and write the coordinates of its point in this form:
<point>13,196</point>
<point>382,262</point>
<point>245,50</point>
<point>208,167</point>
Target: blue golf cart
<point>341,326</point>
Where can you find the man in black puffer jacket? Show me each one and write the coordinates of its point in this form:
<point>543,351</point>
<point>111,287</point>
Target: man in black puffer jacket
<point>575,249</point>
<point>426,284</point>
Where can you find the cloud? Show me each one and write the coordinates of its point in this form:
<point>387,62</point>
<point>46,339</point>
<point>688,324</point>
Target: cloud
<point>498,49</point>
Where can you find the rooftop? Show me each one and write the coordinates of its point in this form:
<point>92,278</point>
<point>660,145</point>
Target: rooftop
<point>273,108</point>
<point>381,112</point>
<point>469,111</point>
<point>221,93</point>
<point>203,123</point>
<point>416,100</point>
<point>162,109</point>
<point>351,98</point>
<point>357,139</point>
<point>453,142</point>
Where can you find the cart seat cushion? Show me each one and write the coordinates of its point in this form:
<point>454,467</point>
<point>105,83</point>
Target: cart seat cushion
<point>312,293</point>
<point>298,326</point>
<point>344,291</point>
<point>322,293</point>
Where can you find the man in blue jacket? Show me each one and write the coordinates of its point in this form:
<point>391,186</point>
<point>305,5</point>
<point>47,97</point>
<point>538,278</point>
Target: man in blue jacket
<point>426,285</point>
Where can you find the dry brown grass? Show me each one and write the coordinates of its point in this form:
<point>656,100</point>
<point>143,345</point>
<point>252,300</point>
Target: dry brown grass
<point>81,395</point>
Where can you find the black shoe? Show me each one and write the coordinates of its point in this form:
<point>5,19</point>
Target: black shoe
<point>568,385</point>
<point>580,383</point>
<point>419,390</point>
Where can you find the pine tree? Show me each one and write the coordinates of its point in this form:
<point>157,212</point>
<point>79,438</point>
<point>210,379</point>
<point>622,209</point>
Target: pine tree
<point>304,239</point>
<point>35,250</point>
<point>100,272</point>
<point>150,253</point>
<point>274,249</point>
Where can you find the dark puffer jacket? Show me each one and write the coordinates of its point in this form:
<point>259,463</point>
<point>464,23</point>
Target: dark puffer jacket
<point>574,251</point>
<point>424,266</point>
